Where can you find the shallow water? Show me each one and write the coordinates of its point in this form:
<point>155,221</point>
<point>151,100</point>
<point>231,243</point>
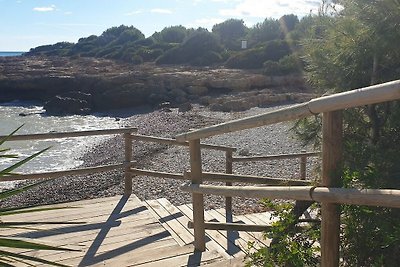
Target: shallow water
<point>64,153</point>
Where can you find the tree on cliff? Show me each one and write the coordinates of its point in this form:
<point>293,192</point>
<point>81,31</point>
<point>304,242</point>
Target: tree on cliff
<point>263,32</point>
<point>230,32</point>
<point>201,48</point>
<point>173,34</point>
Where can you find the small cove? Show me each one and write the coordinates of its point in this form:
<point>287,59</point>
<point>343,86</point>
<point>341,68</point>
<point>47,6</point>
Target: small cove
<point>64,153</point>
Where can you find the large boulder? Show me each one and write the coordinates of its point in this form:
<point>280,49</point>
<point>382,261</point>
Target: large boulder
<point>126,96</point>
<point>68,104</point>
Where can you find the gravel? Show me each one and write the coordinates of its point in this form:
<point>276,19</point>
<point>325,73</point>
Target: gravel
<point>267,140</point>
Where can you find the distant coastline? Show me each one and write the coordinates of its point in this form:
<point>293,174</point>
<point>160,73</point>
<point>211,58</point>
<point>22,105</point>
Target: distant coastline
<point>10,54</point>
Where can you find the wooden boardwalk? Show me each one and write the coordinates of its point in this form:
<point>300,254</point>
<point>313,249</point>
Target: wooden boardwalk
<point>121,231</point>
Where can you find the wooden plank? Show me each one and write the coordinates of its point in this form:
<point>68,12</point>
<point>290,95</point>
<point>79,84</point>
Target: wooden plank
<point>242,237</point>
<point>111,238</point>
<point>210,244</point>
<point>181,228</point>
<point>56,232</point>
<point>220,237</point>
<point>198,200</point>
<point>79,210</point>
<point>192,260</point>
<point>165,220</point>
<point>74,234</point>
<point>234,227</point>
<point>233,245</point>
<point>265,217</point>
<point>258,238</point>
<point>110,243</point>
<point>332,131</point>
<point>234,262</point>
<point>104,253</point>
<point>149,256</point>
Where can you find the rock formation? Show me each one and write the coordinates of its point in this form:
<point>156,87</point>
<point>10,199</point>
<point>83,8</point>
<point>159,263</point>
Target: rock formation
<point>84,85</point>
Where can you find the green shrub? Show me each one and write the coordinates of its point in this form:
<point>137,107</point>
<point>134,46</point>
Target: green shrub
<point>146,42</point>
<point>254,58</point>
<point>249,59</point>
<point>198,45</point>
<point>290,245</point>
<point>287,65</point>
<point>207,59</point>
<point>173,34</point>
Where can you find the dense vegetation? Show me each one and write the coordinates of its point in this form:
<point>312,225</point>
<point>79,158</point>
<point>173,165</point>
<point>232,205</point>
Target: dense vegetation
<point>270,45</point>
<point>353,46</point>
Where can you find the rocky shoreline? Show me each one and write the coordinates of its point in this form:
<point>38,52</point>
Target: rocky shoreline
<point>260,141</point>
<point>86,85</point>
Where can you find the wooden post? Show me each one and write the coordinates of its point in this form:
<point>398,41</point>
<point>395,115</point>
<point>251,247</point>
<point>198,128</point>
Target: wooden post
<point>331,177</point>
<point>128,164</point>
<point>229,163</point>
<point>228,200</point>
<point>198,199</point>
<point>303,166</point>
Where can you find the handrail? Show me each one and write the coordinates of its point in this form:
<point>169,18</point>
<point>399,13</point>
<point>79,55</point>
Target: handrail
<point>45,136</point>
<point>170,141</point>
<point>276,157</point>
<point>370,197</point>
<point>56,174</point>
<point>249,179</point>
<point>359,97</point>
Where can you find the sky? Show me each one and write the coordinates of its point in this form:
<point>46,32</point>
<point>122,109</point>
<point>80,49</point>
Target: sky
<point>30,23</point>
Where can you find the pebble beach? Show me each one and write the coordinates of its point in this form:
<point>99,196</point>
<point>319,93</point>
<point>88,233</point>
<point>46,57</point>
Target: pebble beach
<point>267,140</point>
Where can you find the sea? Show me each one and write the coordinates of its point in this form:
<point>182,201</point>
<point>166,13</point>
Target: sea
<point>10,54</point>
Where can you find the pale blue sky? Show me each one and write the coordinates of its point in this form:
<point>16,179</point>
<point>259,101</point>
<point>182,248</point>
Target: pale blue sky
<point>30,23</point>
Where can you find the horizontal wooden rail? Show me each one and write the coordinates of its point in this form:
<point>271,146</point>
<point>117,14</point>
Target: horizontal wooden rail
<point>369,197</point>
<point>46,175</point>
<point>170,141</point>
<point>369,95</point>
<point>45,136</point>
<point>220,177</point>
<point>276,157</point>
<point>175,176</point>
<point>249,179</point>
<point>233,226</point>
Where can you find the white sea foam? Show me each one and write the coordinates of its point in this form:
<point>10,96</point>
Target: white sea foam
<point>64,153</point>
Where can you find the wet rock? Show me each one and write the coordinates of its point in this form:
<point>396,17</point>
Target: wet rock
<point>70,103</point>
<point>185,107</point>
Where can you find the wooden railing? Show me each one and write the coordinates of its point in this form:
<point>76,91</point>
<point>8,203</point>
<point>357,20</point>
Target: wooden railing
<point>327,192</point>
<point>126,165</point>
<point>168,141</point>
